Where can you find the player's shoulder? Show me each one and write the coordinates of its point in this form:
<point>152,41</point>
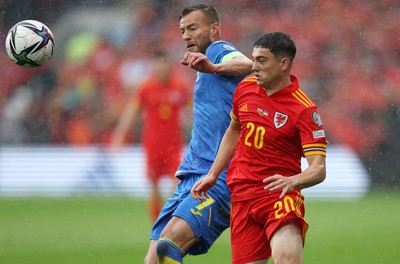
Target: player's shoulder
<point>223,45</point>
<point>150,81</point>
<point>247,85</point>
<point>179,80</point>
<point>298,96</point>
<point>145,85</point>
<point>222,51</point>
<point>301,98</point>
<point>248,81</point>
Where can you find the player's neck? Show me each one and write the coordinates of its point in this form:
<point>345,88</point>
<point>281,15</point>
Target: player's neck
<point>215,38</point>
<point>274,87</point>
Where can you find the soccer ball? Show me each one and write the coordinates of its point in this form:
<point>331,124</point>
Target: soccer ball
<point>30,43</point>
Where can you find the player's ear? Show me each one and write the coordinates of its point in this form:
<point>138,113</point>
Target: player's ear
<point>214,31</point>
<point>285,64</point>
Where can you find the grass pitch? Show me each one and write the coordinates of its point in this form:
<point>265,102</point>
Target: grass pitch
<point>115,230</point>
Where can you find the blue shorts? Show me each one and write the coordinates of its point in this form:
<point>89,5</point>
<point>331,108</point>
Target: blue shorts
<point>207,220</point>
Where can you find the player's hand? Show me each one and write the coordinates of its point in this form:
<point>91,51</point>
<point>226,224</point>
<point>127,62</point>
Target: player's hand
<point>279,182</point>
<point>201,187</point>
<point>198,61</point>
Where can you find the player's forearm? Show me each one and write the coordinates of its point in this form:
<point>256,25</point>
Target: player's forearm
<point>125,122</point>
<point>239,66</point>
<point>119,135</point>
<point>123,126</point>
<point>311,176</point>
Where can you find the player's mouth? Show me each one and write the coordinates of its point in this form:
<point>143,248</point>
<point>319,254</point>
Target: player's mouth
<point>190,46</point>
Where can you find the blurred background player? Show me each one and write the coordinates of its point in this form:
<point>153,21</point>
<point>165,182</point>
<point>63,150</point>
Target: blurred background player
<point>161,99</point>
<point>184,226</point>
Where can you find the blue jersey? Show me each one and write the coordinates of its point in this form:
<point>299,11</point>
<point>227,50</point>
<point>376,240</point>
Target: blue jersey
<point>212,105</point>
<point>213,98</point>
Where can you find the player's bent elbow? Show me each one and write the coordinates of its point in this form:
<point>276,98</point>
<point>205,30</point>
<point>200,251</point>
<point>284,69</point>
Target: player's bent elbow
<point>322,178</point>
<point>322,174</point>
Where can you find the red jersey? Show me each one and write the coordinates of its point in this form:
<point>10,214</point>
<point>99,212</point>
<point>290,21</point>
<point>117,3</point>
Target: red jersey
<point>161,104</point>
<point>276,131</point>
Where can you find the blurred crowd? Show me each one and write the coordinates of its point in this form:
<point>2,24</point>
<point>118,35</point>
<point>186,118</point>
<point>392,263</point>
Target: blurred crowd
<point>348,61</point>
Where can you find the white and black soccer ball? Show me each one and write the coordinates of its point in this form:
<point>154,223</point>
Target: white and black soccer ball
<point>30,43</point>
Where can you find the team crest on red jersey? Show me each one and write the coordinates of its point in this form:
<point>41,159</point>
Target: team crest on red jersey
<point>280,119</point>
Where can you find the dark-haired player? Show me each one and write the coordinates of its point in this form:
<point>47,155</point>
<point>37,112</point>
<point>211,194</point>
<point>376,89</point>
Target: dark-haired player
<point>273,124</point>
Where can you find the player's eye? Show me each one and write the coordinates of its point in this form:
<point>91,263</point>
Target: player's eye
<point>262,60</point>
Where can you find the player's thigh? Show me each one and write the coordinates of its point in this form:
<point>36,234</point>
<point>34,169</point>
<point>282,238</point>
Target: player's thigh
<point>168,210</point>
<point>207,219</point>
<point>263,261</point>
<point>287,243</point>
<point>180,232</point>
<point>249,243</point>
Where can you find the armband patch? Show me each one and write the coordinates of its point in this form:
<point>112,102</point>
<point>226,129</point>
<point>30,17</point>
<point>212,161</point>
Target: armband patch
<point>318,134</point>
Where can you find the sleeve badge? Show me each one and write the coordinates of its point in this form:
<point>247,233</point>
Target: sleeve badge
<point>317,119</point>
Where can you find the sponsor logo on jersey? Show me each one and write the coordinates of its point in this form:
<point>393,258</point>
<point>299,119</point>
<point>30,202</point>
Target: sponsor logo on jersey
<point>280,119</point>
<point>243,108</point>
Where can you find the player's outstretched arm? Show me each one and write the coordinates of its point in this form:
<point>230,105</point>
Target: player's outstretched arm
<point>238,66</point>
<point>225,153</point>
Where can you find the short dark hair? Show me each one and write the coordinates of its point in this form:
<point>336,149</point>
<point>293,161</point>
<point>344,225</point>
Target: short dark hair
<point>208,11</point>
<point>280,44</point>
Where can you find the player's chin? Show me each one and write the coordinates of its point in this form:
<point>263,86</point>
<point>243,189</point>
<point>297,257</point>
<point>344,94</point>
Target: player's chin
<point>192,49</point>
<point>259,82</point>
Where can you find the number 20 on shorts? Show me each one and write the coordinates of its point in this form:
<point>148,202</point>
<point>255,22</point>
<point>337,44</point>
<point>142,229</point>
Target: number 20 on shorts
<point>287,205</point>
